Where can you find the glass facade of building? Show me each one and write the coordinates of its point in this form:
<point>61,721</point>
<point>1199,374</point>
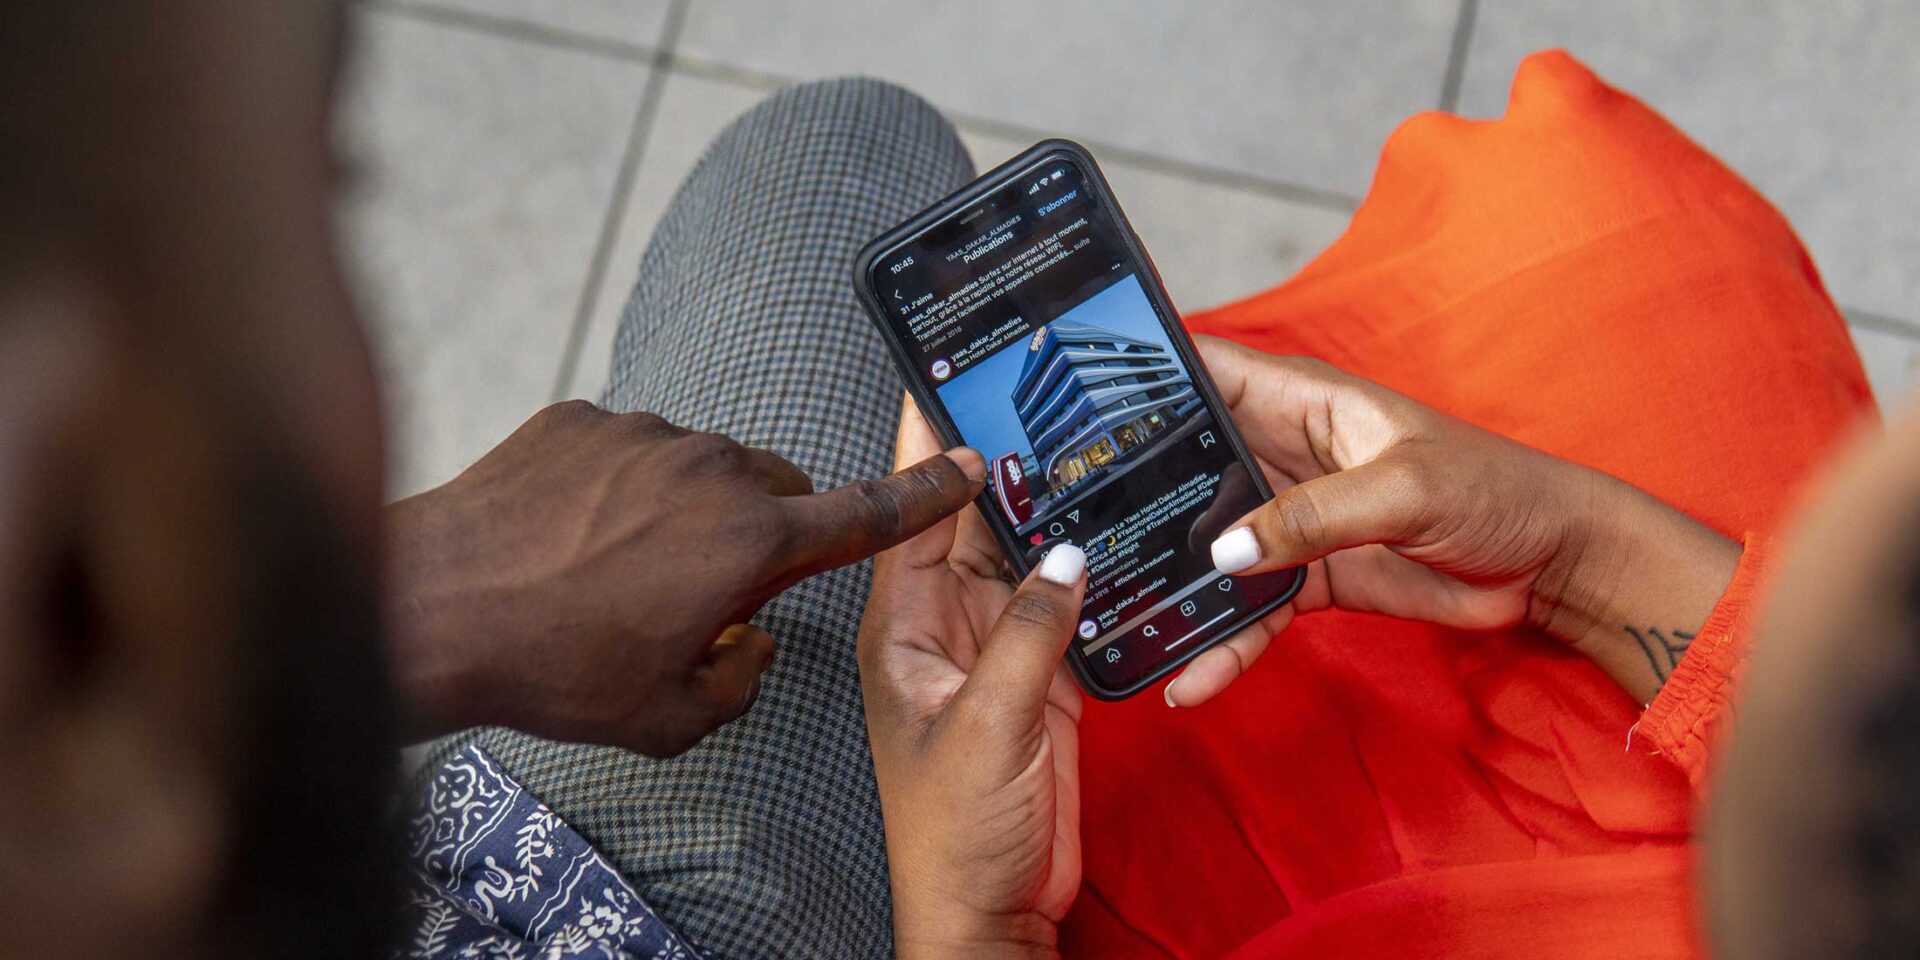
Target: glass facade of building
<point>1087,396</point>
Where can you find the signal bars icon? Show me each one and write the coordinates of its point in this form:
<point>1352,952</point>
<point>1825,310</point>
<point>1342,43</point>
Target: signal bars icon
<point>1043,181</point>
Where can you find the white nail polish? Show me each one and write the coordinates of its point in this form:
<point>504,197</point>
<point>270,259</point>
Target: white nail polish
<point>1168,693</point>
<point>1236,550</point>
<point>1063,565</point>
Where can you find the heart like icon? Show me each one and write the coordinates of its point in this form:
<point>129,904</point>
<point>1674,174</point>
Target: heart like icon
<point>1036,538</point>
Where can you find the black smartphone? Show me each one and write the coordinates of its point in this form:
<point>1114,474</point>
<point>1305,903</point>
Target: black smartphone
<point>1030,325</point>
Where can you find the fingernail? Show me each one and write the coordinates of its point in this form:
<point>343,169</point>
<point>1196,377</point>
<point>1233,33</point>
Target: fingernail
<point>970,463</point>
<point>1168,692</point>
<point>1236,550</point>
<point>1063,565</point>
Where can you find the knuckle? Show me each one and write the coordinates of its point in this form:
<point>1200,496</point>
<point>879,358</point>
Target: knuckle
<point>1412,487</point>
<point>876,508</point>
<point>713,453</point>
<point>1295,518</point>
<point>1031,610</point>
<point>778,468</point>
<point>1211,344</point>
<point>1423,487</point>
<point>938,480</point>
<point>1409,479</point>
<point>643,424</point>
<point>567,413</point>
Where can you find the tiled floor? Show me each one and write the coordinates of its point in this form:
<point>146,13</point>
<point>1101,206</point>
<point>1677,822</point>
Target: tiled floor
<point>513,155</point>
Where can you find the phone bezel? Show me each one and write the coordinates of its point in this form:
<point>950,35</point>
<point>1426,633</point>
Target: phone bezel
<point>923,392</point>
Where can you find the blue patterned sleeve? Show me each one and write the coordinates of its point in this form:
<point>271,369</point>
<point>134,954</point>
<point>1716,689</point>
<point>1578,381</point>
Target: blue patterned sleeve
<point>493,874</point>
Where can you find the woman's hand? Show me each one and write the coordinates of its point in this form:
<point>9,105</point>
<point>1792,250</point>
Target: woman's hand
<point>1402,510</point>
<point>973,722</point>
<point>591,578</point>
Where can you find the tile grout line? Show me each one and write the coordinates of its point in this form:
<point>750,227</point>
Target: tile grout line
<point>1881,323</point>
<point>1218,176</point>
<point>663,61</point>
<point>659,69</point>
<point>740,76</point>
<point>523,31</point>
<point>1457,55</point>
<point>1196,173</point>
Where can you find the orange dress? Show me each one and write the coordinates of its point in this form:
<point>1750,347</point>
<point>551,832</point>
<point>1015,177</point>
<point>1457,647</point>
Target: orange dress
<point>1581,277</point>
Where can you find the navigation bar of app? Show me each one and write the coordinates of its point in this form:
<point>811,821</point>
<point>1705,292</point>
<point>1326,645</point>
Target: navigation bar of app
<point>1163,626</point>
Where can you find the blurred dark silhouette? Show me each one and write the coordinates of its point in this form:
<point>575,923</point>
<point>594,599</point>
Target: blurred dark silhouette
<point>194,738</point>
<point>1813,826</point>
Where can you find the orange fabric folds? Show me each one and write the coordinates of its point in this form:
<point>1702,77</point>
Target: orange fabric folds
<point>1580,276</point>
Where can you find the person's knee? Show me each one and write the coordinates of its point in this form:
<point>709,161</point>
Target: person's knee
<point>826,134</point>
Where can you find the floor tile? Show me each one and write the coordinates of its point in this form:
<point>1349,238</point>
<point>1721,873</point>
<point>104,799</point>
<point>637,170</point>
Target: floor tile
<point>1813,102</point>
<point>483,169</point>
<point>1212,243</point>
<point>1302,91</point>
<point>636,22</point>
<point>692,111</point>
<point>1893,365</point>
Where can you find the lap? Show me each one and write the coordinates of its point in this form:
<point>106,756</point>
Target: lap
<point>765,839</point>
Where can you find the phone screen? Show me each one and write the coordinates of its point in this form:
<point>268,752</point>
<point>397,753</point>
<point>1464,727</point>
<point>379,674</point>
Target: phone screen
<point>1030,319</point>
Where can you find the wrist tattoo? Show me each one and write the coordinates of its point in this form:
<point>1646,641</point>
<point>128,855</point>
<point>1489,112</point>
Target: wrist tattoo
<point>1663,649</point>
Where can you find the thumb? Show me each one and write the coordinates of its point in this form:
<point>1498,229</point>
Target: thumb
<point>1010,679</point>
<point>1377,502</point>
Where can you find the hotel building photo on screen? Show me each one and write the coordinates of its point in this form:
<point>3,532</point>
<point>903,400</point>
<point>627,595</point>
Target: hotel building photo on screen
<point>1088,397</point>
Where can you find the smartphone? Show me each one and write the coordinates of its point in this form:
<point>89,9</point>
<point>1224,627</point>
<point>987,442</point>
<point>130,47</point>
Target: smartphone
<point>1029,324</point>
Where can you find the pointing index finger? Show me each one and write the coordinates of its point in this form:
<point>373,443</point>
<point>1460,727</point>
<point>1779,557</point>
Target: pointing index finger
<point>861,519</point>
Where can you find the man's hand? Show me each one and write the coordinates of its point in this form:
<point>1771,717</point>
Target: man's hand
<point>591,578</point>
<point>1402,510</point>
<point>973,721</point>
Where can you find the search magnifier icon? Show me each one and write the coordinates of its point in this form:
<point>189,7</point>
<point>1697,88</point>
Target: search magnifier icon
<point>1150,631</point>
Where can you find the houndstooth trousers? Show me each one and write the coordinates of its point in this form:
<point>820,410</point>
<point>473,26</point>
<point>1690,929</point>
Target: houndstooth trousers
<point>765,840</point>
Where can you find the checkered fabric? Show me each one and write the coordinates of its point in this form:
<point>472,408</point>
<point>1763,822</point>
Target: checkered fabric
<point>765,840</point>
